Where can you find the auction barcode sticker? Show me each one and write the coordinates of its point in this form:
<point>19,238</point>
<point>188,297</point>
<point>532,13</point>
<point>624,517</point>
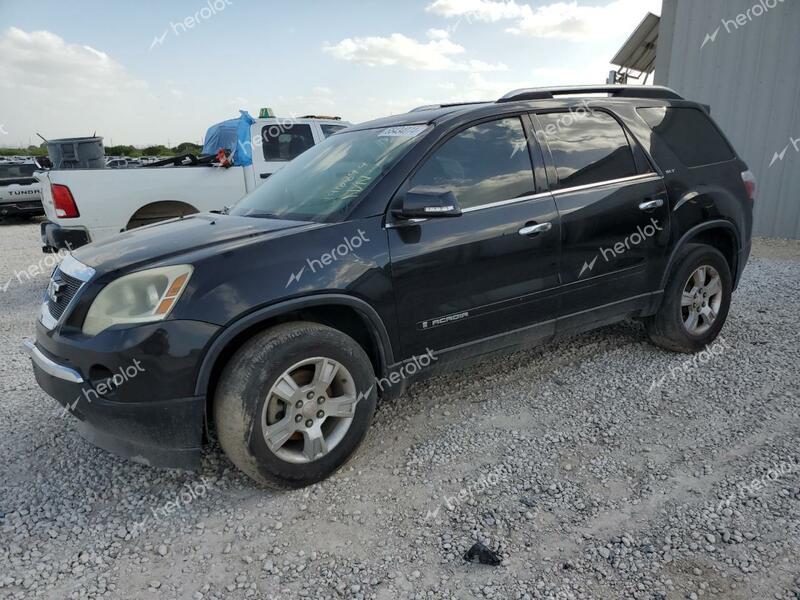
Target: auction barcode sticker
<point>403,131</point>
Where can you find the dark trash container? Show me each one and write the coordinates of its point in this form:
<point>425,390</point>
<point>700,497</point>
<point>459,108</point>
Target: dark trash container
<point>77,153</point>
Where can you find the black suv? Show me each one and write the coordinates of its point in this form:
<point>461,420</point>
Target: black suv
<point>393,250</point>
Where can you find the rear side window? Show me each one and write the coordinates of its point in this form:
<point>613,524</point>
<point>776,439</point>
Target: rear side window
<point>587,147</point>
<point>329,130</point>
<point>483,164</point>
<point>286,142</point>
<point>690,134</point>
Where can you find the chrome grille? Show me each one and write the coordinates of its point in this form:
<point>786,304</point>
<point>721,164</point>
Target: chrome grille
<point>66,287</point>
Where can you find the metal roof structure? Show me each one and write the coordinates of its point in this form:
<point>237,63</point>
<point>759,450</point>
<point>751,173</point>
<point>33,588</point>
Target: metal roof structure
<point>639,52</point>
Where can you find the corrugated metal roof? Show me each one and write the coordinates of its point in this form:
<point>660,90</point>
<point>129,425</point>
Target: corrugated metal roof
<point>639,52</point>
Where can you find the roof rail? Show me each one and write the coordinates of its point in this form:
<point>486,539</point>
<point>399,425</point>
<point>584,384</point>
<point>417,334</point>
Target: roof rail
<point>323,117</point>
<point>425,107</point>
<point>619,91</point>
<point>448,105</point>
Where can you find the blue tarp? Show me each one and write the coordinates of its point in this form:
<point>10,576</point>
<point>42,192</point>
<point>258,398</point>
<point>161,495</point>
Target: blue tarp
<point>233,135</point>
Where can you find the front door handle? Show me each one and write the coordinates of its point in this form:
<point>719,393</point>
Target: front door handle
<point>651,204</point>
<point>535,229</point>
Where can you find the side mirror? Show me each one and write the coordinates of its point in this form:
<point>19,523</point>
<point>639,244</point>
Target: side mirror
<point>428,203</point>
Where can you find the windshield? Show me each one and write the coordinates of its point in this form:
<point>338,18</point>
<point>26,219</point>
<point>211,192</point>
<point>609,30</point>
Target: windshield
<point>322,183</point>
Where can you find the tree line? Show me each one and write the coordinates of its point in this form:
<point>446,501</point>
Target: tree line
<point>119,150</point>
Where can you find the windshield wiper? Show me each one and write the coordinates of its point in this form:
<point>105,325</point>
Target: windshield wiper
<point>263,215</point>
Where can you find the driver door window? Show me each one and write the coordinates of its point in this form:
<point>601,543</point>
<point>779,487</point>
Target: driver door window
<point>483,164</point>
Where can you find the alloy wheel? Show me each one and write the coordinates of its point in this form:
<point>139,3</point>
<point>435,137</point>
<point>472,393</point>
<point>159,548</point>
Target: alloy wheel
<point>309,410</point>
<point>701,300</point>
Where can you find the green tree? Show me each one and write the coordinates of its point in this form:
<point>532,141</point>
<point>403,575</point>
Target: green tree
<point>120,150</point>
<point>159,150</point>
<point>187,148</point>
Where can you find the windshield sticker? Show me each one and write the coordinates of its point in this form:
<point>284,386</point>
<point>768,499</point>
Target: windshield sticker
<point>403,131</point>
<point>354,181</point>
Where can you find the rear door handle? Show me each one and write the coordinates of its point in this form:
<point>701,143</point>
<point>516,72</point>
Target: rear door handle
<point>651,204</point>
<point>535,229</point>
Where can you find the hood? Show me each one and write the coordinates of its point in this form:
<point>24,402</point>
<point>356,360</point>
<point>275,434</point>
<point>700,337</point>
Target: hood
<point>174,238</point>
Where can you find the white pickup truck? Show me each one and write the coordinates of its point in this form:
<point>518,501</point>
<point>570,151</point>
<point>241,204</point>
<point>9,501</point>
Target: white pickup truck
<point>88,205</point>
<point>20,192</point>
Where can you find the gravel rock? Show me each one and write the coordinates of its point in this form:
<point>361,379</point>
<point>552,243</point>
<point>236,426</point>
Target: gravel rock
<point>588,480</point>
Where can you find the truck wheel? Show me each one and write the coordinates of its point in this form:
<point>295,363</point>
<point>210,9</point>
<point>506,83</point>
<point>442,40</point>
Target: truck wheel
<point>293,404</point>
<point>696,301</point>
<point>155,212</point>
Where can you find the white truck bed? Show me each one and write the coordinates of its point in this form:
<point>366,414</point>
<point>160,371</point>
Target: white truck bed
<point>108,198</point>
<point>109,201</point>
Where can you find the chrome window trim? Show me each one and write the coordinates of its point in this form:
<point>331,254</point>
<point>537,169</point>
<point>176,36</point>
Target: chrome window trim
<point>641,178</point>
<point>631,179</point>
<point>506,202</point>
<point>395,225</point>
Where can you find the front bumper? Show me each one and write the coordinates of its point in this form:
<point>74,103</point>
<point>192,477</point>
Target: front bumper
<point>28,207</point>
<point>131,390</point>
<point>55,237</point>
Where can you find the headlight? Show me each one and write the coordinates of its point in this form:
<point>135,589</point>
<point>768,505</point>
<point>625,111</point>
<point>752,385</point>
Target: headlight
<point>137,298</point>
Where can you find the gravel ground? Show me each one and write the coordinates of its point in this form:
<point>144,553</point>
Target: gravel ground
<point>600,467</point>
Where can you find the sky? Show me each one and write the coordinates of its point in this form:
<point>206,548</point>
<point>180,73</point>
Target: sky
<point>151,72</point>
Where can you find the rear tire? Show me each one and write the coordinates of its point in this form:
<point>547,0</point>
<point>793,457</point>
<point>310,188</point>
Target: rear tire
<point>696,301</point>
<point>271,402</point>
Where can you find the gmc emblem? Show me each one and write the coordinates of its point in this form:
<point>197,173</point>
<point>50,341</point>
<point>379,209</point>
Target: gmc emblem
<point>54,289</point>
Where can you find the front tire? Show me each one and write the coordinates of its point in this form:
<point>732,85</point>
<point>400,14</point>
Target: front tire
<point>293,404</point>
<point>696,301</point>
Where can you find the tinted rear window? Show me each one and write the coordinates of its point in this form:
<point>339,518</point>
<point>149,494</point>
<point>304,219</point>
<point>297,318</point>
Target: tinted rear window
<point>587,148</point>
<point>690,134</point>
<point>13,171</point>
